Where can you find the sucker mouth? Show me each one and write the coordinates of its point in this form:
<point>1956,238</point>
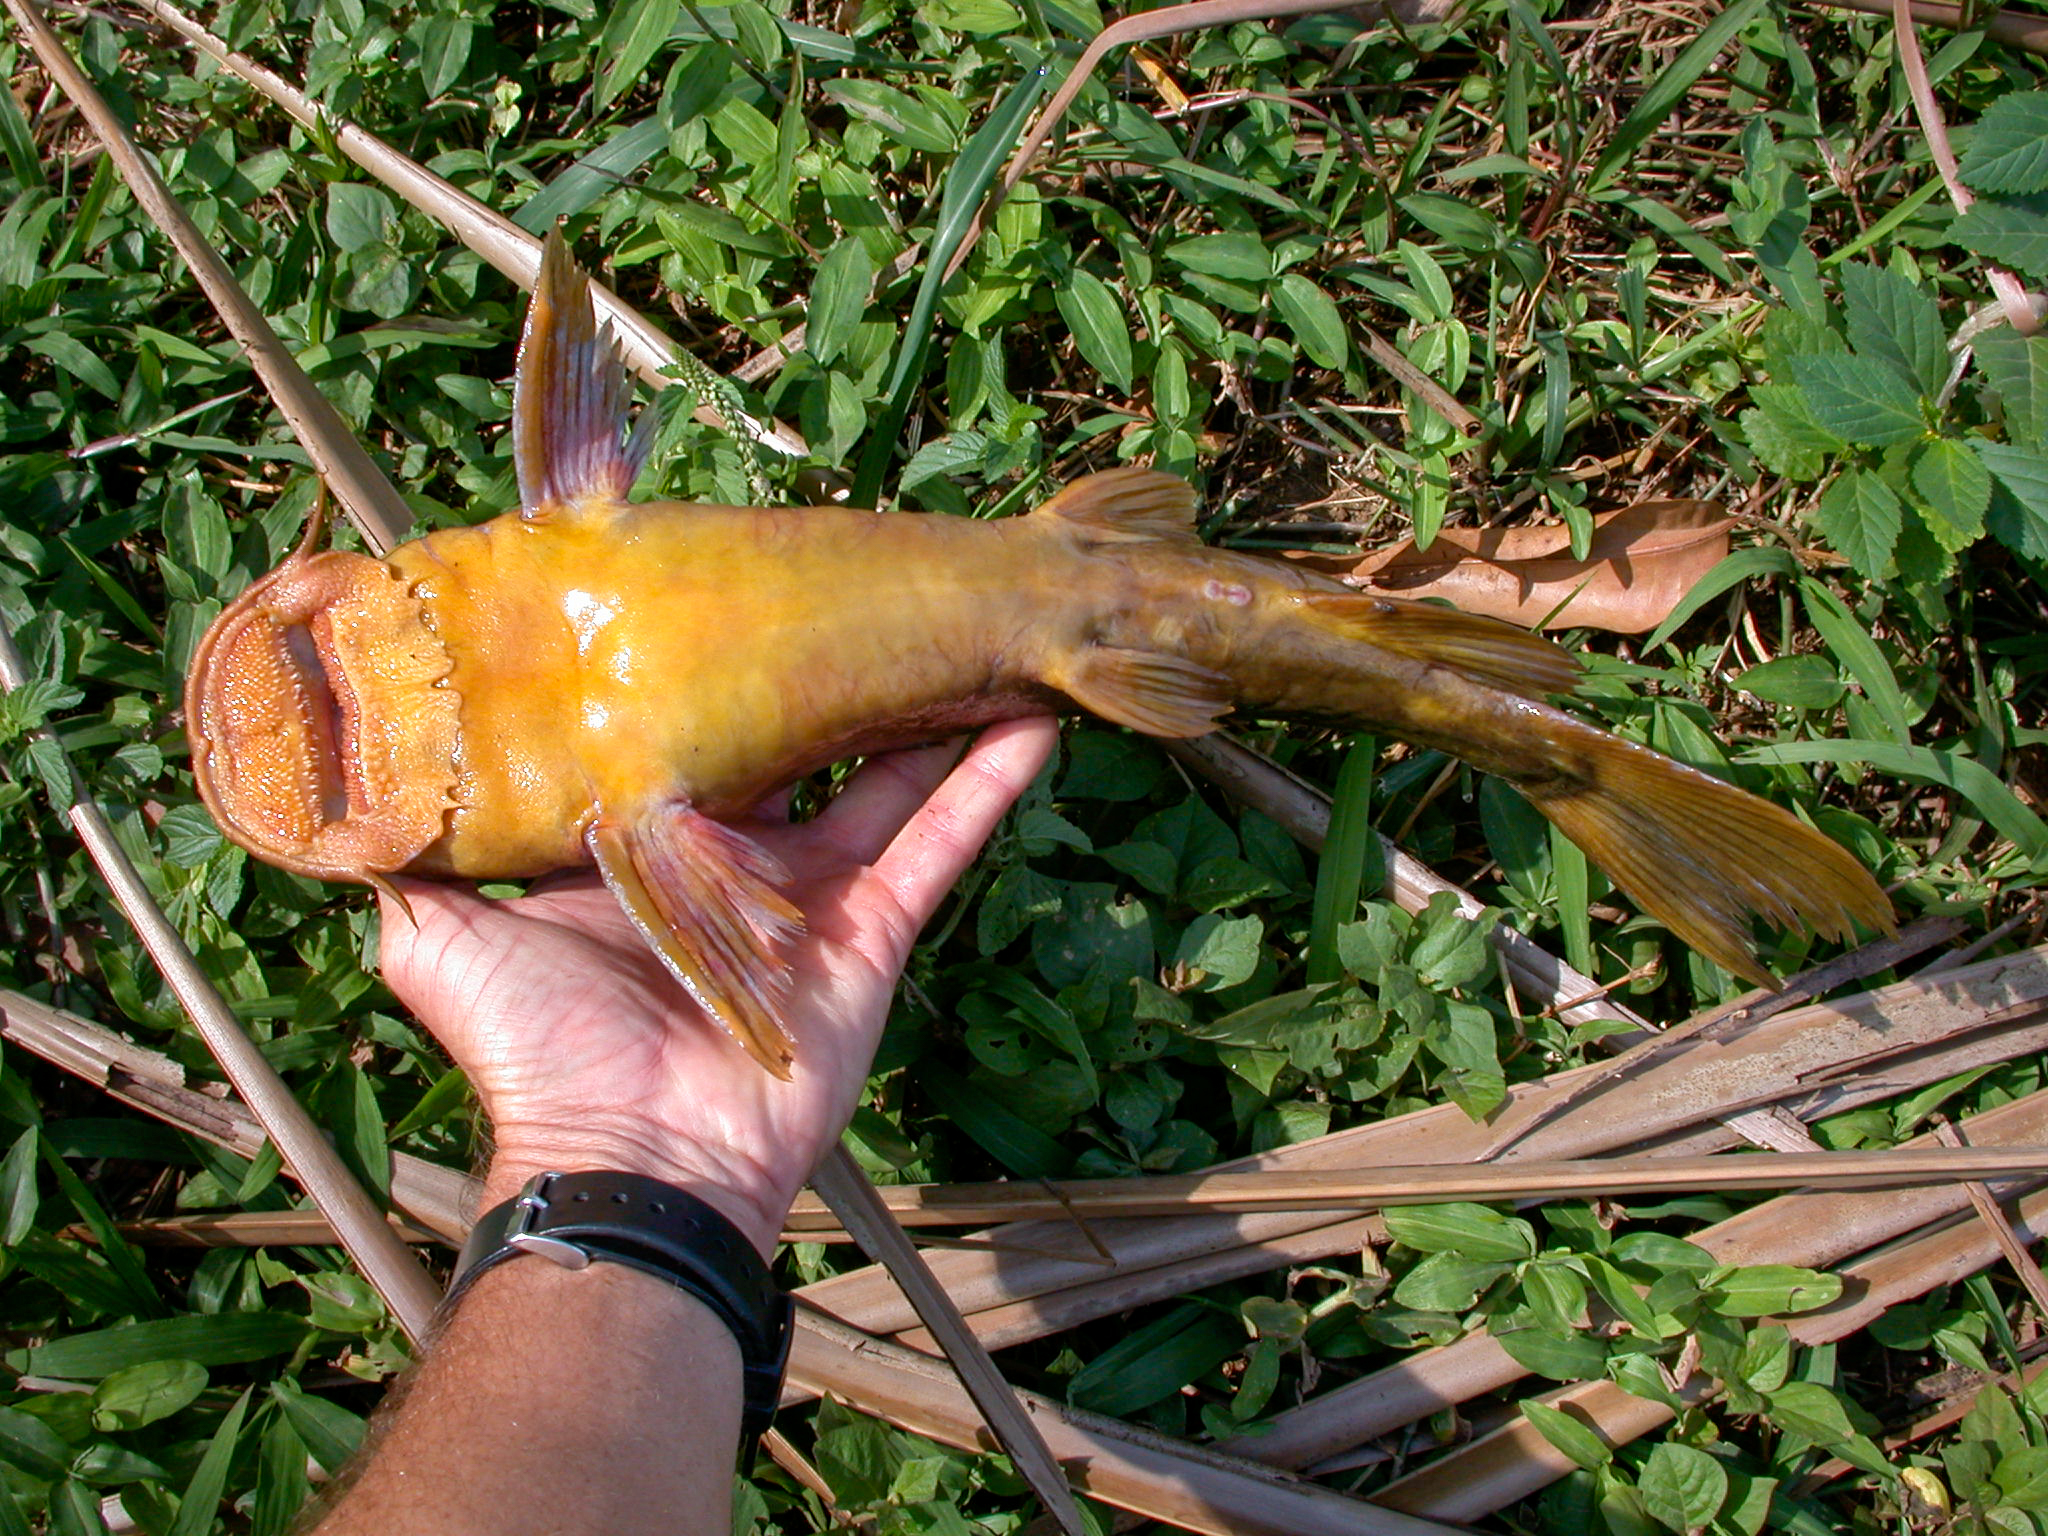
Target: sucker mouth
<point>324,734</point>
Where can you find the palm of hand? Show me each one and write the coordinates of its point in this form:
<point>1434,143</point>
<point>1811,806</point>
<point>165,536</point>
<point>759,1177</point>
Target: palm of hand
<point>585,1051</point>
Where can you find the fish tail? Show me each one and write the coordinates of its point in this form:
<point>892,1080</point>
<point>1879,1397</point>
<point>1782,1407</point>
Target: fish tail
<point>1699,854</point>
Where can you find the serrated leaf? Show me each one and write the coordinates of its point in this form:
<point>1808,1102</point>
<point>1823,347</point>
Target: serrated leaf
<point>1101,328</point>
<point>1860,517</point>
<point>2019,517</point>
<point>1860,400</point>
<point>2008,150</point>
<point>1895,321</point>
<point>2016,368</point>
<point>2009,233</point>
<point>1313,317</point>
<point>1784,448</point>
<point>1955,488</point>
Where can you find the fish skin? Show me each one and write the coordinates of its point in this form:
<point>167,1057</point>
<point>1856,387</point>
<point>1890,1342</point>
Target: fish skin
<point>598,680</point>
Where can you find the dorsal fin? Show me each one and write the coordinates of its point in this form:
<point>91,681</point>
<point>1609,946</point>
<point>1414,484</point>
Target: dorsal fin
<point>569,442</point>
<point>1130,504</point>
<point>1486,650</point>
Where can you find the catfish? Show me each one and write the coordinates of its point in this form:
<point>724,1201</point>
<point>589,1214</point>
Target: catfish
<point>592,679</point>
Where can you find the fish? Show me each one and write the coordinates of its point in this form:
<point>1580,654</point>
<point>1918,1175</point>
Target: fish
<point>592,679</point>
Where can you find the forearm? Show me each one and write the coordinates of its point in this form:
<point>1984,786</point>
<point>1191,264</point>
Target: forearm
<point>559,1401</point>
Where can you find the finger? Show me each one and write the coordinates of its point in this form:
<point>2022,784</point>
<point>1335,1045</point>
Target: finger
<point>872,807</point>
<point>938,843</point>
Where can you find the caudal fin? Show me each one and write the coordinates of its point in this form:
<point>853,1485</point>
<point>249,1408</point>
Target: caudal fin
<point>1702,856</point>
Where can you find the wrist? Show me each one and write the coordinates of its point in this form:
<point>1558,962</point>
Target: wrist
<point>738,1193</point>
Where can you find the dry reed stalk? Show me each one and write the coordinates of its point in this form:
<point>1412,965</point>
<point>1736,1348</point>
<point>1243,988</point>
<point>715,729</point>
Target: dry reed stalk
<point>1815,1230</point>
<point>1514,1461</point>
<point>1120,1464</point>
<point>438,1199</point>
<point>1799,1051</point>
<point>246,1229</point>
<point>858,1206</point>
<point>2018,29</point>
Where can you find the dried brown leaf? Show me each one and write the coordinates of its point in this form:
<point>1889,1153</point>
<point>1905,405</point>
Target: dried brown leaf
<point>1643,560</point>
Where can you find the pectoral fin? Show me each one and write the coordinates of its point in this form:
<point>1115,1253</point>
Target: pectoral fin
<point>708,901</point>
<point>569,439</point>
<point>1149,691</point>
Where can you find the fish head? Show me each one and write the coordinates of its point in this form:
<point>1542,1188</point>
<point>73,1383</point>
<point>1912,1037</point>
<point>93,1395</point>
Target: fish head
<point>325,736</point>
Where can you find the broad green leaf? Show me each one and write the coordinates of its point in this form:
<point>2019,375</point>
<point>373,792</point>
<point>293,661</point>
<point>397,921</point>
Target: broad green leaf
<point>1577,1440</point>
<point>2016,368</point>
<point>1313,317</point>
<point>1861,517</point>
<point>1444,1282</point>
<point>2022,1477</point>
<point>1020,1147</point>
<point>31,1446</point>
<point>1986,794</point>
<point>1801,682</point>
<point>1243,258</point>
<point>2008,149</point>
<point>226,1338</point>
<point>18,1193</point>
<point>1894,320</point>
<point>903,117</point>
<point>1156,1360</point>
<point>1470,1231</point>
<point>1100,326</point>
<point>1955,490</point>
<point>144,1393</point>
<point>580,184</point>
<point>1560,1356</point>
<point>1810,1409</point>
<point>1683,1487</point>
<point>444,43</point>
<point>332,1434</point>
<point>2012,234</point>
<point>839,297</point>
<point>1860,400</point>
<point>357,215</point>
<point>1221,952</point>
<point>633,34</point>
<point>1351,858</point>
<point>1766,1290</point>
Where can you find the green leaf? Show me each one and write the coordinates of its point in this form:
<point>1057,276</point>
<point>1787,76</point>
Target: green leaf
<point>1577,1440</point>
<point>839,297</point>
<point>1743,565</point>
<point>1860,400</point>
<point>1157,1360</point>
<point>589,177</point>
<point>2019,517</point>
<point>1800,682</point>
<point>357,215</point>
<point>1669,89</point>
<point>1895,321</point>
<point>1351,856</point>
<point>913,123</point>
<point>2008,149</point>
<point>2016,368</point>
<point>2022,1477</point>
<point>2011,234</point>
<point>1986,793</point>
<point>1242,258</point>
<point>1471,1231</point>
<point>1221,952</point>
<point>332,1434</point>
<point>633,34</point>
<point>200,1502</point>
<point>1683,1487</point>
<point>1020,1147</point>
<point>1861,516</point>
<point>224,1338</point>
<point>444,44</point>
<point>18,1191</point>
<point>1766,1290</point>
<point>1858,654</point>
<point>1100,326</point>
<point>1313,317</point>
<point>144,1393</point>
<point>31,1446</point>
<point>1955,488</point>
<point>1810,1409</point>
<point>1560,1356</point>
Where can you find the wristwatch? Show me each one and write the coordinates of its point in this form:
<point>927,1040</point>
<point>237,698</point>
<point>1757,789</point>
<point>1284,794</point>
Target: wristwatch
<point>576,1219</point>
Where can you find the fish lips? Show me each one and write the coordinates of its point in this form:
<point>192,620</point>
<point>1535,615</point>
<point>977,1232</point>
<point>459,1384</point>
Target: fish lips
<point>325,736</point>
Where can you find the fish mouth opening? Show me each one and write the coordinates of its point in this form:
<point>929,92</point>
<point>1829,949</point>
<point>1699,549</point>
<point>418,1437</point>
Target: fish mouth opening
<point>324,734</point>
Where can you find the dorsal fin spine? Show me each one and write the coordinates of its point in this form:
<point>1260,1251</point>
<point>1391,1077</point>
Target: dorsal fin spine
<point>569,396</point>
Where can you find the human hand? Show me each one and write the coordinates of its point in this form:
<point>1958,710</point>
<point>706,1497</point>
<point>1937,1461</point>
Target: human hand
<point>588,1055</point>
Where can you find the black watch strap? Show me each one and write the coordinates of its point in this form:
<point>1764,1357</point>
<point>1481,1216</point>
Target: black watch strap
<point>574,1219</point>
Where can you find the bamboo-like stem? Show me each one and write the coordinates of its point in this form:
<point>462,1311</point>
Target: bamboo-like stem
<point>384,1260</point>
<point>1339,1189</point>
<point>366,494</point>
<point>2022,1264</point>
<point>1118,1463</point>
<point>851,1198</point>
<point>483,229</point>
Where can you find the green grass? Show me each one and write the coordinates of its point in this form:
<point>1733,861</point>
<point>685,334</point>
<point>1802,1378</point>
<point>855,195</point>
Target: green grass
<point>1671,253</point>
